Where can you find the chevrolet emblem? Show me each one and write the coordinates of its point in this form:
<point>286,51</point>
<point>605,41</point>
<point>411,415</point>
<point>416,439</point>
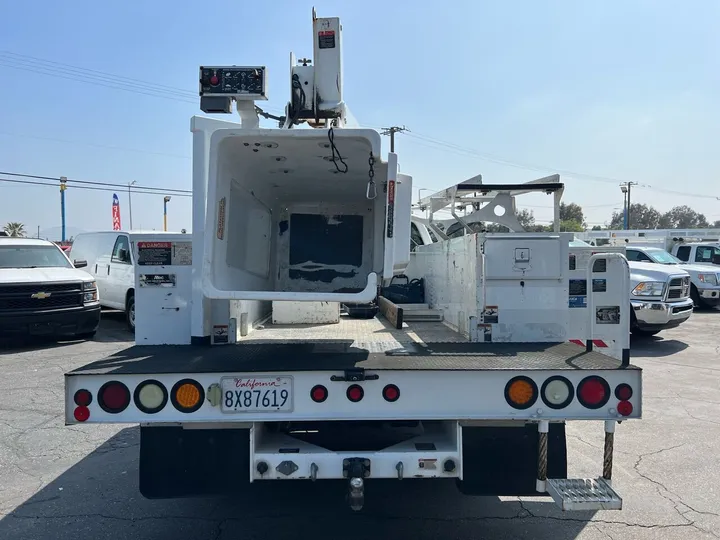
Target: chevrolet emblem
<point>41,295</point>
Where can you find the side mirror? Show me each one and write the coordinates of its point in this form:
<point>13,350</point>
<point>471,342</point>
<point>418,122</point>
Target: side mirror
<point>79,263</point>
<point>123,255</point>
<point>716,258</point>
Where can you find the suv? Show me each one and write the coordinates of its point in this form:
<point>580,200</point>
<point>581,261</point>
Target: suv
<point>43,293</point>
<point>704,290</point>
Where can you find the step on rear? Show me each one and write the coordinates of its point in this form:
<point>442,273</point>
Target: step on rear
<point>583,494</point>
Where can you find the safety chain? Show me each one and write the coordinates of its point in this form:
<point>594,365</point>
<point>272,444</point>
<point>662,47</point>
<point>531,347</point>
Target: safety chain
<point>371,189</point>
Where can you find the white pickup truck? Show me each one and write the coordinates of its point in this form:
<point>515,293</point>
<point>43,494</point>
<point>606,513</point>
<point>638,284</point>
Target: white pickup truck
<point>704,288</point>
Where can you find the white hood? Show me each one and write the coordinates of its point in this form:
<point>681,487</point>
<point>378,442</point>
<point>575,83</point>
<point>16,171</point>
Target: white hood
<point>699,268</point>
<point>42,275</point>
<point>644,271</point>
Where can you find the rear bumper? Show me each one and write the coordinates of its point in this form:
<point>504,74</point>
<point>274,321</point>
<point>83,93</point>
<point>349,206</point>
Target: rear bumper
<point>661,315</point>
<point>62,322</point>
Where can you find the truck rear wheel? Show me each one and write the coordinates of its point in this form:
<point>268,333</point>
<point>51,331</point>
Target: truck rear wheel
<point>130,312</point>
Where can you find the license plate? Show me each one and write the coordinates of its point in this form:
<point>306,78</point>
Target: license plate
<point>257,394</point>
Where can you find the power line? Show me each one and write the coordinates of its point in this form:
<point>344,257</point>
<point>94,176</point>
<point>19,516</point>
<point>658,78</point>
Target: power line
<point>33,60</point>
<point>110,147</point>
<point>502,161</point>
<point>73,187</point>
<point>99,78</point>
<point>86,182</point>
<point>71,72</point>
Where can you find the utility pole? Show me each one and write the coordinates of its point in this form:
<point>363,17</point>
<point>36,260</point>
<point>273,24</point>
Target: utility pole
<point>63,187</point>
<point>165,201</point>
<point>392,131</point>
<point>625,187</point>
<point>130,202</point>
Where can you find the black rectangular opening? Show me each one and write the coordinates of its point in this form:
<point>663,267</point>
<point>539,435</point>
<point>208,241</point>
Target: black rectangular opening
<point>327,240</point>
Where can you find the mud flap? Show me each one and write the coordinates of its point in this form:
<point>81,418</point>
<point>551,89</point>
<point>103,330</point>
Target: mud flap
<point>175,462</point>
<point>503,460</point>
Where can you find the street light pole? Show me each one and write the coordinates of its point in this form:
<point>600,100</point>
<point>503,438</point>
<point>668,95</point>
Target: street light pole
<point>130,202</point>
<point>165,201</point>
<point>625,188</point>
<point>63,187</point>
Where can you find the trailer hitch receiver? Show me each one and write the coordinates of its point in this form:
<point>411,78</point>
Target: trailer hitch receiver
<point>356,470</point>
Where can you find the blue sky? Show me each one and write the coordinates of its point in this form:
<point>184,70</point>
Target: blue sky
<point>608,91</point>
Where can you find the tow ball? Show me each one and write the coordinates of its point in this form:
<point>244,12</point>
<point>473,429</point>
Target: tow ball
<point>356,470</point>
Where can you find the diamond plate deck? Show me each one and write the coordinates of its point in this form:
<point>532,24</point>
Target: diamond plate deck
<point>583,494</point>
<point>369,344</point>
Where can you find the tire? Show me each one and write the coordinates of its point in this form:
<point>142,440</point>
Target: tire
<point>639,332</point>
<point>695,297</point>
<point>130,312</point>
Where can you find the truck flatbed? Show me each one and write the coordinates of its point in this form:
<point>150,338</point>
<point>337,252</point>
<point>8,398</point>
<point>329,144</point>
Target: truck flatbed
<point>353,343</point>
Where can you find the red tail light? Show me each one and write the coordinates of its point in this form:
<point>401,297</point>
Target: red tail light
<point>355,393</point>
<point>113,397</point>
<point>625,408</point>
<point>391,393</point>
<point>593,392</point>
<point>83,398</point>
<point>318,393</point>
<point>81,413</point>
<point>623,392</point>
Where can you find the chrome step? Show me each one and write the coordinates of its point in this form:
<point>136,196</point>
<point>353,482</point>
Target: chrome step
<point>583,494</point>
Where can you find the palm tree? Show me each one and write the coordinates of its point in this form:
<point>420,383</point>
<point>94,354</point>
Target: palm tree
<point>14,228</point>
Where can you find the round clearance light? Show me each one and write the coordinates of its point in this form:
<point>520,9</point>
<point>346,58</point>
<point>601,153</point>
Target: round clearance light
<point>150,396</point>
<point>355,393</point>
<point>625,408</point>
<point>214,80</point>
<point>82,398</point>
<point>113,397</point>
<point>318,393</point>
<point>557,392</point>
<point>81,413</point>
<point>593,392</point>
<point>521,392</point>
<point>187,396</point>
<point>391,393</point>
<point>623,392</point>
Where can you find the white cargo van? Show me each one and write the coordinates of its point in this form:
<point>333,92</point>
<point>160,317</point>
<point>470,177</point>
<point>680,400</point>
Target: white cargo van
<point>109,256</point>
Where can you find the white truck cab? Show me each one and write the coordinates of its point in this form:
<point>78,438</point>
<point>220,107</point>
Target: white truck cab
<point>110,260</point>
<point>43,293</point>
<point>701,253</point>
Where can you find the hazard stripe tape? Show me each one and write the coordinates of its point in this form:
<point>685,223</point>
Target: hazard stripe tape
<point>596,342</point>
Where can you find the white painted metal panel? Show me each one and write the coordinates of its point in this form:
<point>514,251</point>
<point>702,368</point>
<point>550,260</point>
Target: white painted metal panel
<point>424,395</point>
<point>305,313</point>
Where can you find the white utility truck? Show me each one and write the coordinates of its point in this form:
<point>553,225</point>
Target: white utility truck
<point>695,246</point>
<point>699,259</point>
<point>269,348</point>
<point>659,294</point>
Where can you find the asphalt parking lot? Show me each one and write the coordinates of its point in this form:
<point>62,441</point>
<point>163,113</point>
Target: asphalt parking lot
<point>59,482</point>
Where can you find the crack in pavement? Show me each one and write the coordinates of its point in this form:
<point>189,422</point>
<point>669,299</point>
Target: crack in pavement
<point>666,493</point>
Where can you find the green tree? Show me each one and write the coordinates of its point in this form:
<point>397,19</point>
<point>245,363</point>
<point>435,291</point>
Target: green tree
<point>642,216</point>
<point>572,212</point>
<point>683,217</point>
<point>14,228</point>
<point>571,225</point>
<point>716,225</point>
<point>597,228</point>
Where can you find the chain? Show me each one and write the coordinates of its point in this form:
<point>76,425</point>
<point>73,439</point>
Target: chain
<point>371,190</point>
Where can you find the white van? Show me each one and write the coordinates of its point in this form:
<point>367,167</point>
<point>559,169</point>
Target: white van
<point>110,260</point>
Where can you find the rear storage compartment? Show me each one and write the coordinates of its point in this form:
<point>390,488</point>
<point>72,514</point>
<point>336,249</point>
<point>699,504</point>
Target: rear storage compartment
<point>289,217</point>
